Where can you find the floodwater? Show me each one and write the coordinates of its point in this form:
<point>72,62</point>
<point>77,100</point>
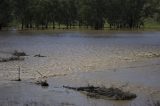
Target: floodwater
<point>127,60</point>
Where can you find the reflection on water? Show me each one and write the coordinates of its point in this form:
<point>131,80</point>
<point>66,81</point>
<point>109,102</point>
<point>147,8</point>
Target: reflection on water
<point>103,57</point>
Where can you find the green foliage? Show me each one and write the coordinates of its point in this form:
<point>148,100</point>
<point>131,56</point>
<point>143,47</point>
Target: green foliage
<point>127,13</point>
<point>5,13</point>
<point>93,12</point>
<point>68,15</point>
<point>90,13</point>
<point>24,10</point>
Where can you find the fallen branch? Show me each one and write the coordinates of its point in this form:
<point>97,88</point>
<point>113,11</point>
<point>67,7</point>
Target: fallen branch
<point>111,93</point>
<point>11,59</point>
<point>16,53</point>
<point>42,82</point>
<point>38,55</point>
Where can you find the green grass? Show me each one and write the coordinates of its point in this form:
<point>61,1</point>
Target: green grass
<point>149,25</point>
<point>152,24</point>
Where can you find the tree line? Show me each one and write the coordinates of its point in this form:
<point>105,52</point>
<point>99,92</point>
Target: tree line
<point>94,14</point>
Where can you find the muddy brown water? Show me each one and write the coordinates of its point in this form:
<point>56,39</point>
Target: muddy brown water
<point>128,60</point>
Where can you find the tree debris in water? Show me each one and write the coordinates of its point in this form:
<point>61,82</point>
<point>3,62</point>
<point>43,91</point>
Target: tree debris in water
<point>16,53</point>
<point>17,80</point>
<point>43,83</point>
<point>39,55</point>
<point>14,58</point>
<point>110,93</point>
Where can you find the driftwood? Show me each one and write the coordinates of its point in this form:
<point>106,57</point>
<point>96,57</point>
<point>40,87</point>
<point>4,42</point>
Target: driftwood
<point>110,93</point>
<point>38,55</point>
<point>11,59</point>
<point>16,53</point>
<point>42,83</point>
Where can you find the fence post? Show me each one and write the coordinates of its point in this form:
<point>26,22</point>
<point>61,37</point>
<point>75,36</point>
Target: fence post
<point>19,74</point>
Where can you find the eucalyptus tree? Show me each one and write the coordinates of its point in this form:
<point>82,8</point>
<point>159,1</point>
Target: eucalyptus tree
<point>5,13</point>
<point>152,10</point>
<point>135,12</point>
<point>85,12</point>
<point>98,16</point>
<point>54,11</point>
<point>67,12</point>
<point>21,11</point>
<point>92,13</point>
<point>151,7</point>
<point>43,14</point>
<point>30,14</point>
<point>64,13</point>
<point>125,13</point>
<point>73,12</point>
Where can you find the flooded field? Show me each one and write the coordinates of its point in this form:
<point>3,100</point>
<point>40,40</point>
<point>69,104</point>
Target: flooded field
<point>127,60</point>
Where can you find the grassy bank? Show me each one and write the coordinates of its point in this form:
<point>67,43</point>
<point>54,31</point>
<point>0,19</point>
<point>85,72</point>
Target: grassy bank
<point>149,25</point>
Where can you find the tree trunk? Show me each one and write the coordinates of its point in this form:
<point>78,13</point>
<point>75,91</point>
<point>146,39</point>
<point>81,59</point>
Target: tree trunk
<point>59,26</point>
<point>31,26</point>
<point>67,26</point>
<point>42,27</point>
<point>0,27</point>
<point>27,25</point>
<point>22,27</point>
<point>53,25</point>
<point>79,24</point>
<point>46,26</point>
<point>87,26</point>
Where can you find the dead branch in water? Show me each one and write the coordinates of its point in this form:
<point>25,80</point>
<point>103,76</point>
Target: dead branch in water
<point>111,93</point>
<point>39,55</point>
<point>42,82</point>
<point>16,53</point>
<point>11,59</point>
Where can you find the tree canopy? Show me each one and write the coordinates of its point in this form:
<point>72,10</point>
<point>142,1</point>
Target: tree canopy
<point>89,13</point>
<point>5,13</point>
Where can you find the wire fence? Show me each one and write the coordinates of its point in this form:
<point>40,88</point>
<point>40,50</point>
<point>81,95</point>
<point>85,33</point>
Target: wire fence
<point>12,73</point>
